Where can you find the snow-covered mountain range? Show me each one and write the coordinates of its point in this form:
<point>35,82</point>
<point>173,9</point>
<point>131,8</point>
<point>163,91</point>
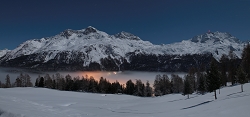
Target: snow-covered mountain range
<point>91,47</point>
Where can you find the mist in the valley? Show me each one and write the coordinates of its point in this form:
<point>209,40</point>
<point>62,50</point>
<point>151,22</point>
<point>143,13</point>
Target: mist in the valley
<point>112,76</point>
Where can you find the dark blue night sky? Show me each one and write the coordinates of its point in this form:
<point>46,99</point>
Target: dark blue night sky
<point>157,21</point>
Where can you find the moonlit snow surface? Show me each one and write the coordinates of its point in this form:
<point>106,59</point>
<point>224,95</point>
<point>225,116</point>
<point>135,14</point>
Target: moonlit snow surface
<point>42,102</point>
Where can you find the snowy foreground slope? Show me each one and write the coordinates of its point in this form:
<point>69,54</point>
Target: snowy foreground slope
<point>39,102</point>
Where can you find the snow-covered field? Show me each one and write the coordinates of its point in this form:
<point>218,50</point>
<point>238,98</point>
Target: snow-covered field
<point>42,102</point>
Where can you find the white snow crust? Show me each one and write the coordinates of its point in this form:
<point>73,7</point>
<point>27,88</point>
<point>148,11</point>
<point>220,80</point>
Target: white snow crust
<point>41,102</point>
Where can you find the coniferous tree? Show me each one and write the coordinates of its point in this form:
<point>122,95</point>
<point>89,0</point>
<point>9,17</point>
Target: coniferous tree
<point>92,85</point>
<point>232,67</point>
<point>148,90</point>
<point>223,69</point>
<point>7,83</point>
<point>18,82</point>
<point>62,83</point>
<point>130,87</point>
<point>187,87</point>
<point>84,84</point>
<point>202,84</point>
<point>246,61</point>
<point>213,78</point>
<point>0,84</point>
<point>157,86</point>
<point>192,78</point>
<point>58,81</point>
<point>48,81</point>
<point>162,85</point>
<point>76,84</point>
<point>37,81</point>
<point>41,82</point>
<point>116,87</point>
<point>165,85</point>
<point>139,88</point>
<point>22,79</point>
<point>28,82</point>
<point>54,82</point>
<point>68,83</point>
<point>241,75</point>
<point>177,83</point>
<point>103,85</point>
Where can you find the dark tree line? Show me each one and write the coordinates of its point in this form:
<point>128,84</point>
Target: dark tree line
<point>228,69</point>
<point>89,84</point>
<point>23,80</point>
<point>164,85</point>
<point>83,84</point>
<point>209,79</point>
<point>138,88</point>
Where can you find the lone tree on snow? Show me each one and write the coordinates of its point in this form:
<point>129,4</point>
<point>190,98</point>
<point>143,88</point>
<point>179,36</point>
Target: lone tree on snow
<point>213,78</point>
<point>241,75</point>
<point>187,87</point>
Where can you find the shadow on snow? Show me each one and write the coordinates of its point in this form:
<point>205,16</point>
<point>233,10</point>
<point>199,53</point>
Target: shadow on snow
<point>197,105</point>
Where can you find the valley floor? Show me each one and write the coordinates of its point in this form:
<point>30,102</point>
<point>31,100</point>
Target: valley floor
<point>42,102</point>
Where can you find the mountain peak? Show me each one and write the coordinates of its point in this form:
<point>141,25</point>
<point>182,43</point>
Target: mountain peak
<point>215,37</point>
<point>126,35</point>
<point>67,33</point>
<point>89,30</point>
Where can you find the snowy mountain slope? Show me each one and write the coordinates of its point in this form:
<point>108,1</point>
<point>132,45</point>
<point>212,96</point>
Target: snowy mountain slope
<point>96,44</point>
<point>90,45</point>
<point>216,43</point>
<point>3,52</point>
<point>41,102</point>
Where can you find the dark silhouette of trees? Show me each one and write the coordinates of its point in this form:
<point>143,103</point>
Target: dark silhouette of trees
<point>224,61</point>
<point>18,82</point>
<point>23,80</point>
<point>157,86</point>
<point>246,61</point>
<point>116,87</point>
<point>232,67</point>
<point>241,76</point>
<point>177,84</point>
<point>202,84</point>
<point>187,86</point>
<point>92,87</point>
<point>213,78</point>
<point>192,79</point>
<point>69,83</point>
<point>130,87</point>
<point>7,82</point>
<point>148,90</point>
<point>48,81</point>
<point>162,85</point>
<point>139,88</point>
<point>41,82</point>
<point>104,85</point>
